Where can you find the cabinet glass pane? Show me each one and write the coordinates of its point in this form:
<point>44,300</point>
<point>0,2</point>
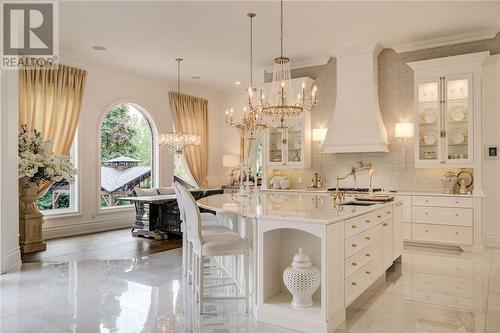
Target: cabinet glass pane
<point>294,143</point>
<point>457,118</point>
<point>429,120</point>
<point>275,146</point>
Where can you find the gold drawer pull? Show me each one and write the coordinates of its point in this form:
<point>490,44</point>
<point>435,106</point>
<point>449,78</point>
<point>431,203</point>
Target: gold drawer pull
<point>368,272</point>
<point>367,221</point>
<point>385,224</point>
<point>354,226</point>
<point>456,233</point>
<point>456,214</point>
<point>379,216</point>
<point>354,264</point>
<point>426,230</point>
<point>426,213</point>
<point>354,245</point>
<point>426,200</point>
<point>367,254</point>
<point>389,213</point>
<point>457,202</point>
<point>368,237</point>
<point>354,283</point>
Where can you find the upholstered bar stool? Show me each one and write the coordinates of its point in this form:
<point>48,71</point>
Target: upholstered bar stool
<point>211,244</point>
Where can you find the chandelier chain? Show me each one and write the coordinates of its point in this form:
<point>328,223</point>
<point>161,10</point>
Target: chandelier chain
<point>251,50</point>
<point>178,74</point>
<point>281,27</point>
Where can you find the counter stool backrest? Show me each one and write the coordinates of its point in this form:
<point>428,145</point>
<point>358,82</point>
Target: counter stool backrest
<point>191,215</point>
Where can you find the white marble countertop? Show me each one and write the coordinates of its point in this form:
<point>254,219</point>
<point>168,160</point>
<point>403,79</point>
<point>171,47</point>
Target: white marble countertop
<point>423,193</point>
<point>291,206</point>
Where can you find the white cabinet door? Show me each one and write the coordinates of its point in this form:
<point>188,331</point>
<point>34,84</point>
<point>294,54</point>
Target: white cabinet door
<point>387,244</point>
<point>397,230</point>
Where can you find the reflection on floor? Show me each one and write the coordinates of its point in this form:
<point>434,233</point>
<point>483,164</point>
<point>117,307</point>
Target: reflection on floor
<point>116,244</point>
<point>431,291</point>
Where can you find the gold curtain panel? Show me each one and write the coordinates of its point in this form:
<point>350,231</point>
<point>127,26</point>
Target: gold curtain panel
<point>190,115</point>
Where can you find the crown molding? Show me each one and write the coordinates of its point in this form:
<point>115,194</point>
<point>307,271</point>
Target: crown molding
<point>443,41</point>
<point>320,61</point>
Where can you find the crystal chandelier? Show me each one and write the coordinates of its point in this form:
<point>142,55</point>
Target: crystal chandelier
<point>178,141</point>
<point>251,122</point>
<point>282,101</point>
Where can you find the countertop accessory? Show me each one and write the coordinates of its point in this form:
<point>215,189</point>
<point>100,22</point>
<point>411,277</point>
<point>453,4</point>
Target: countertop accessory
<point>285,183</point>
<point>302,279</point>
<point>449,180</point>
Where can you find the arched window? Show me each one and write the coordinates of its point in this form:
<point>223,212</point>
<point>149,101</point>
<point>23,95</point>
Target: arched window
<point>126,153</point>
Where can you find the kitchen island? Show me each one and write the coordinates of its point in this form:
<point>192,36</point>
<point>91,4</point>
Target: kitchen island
<point>352,244</point>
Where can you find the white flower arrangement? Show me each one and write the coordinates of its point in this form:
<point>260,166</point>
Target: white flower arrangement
<point>38,162</point>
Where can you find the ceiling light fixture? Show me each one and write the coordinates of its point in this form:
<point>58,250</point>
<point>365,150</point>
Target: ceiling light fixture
<point>178,141</point>
<point>283,103</point>
<point>237,83</point>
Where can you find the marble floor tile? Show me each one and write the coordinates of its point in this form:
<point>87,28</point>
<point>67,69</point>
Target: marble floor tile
<point>430,291</point>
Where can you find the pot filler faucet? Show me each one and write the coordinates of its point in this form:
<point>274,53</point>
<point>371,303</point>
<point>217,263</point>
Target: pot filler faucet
<point>360,166</point>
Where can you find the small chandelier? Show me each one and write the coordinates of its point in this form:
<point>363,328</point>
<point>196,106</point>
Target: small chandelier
<point>178,141</point>
<point>282,102</point>
<point>252,121</point>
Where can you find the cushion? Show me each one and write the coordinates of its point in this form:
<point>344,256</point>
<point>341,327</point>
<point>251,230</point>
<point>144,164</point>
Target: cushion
<point>141,192</point>
<point>223,242</point>
<point>166,190</point>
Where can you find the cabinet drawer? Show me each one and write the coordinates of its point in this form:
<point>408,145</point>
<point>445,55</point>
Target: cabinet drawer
<point>359,224</point>
<point>382,214</point>
<point>442,234</point>
<point>406,231</point>
<point>442,201</point>
<point>358,283</point>
<point>442,215</point>
<point>356,262</point>
<point>359,242</point>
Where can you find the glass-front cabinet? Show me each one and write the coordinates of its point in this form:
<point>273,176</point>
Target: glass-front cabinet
<point>290,146</point>
<point>444,122</point>
<point>447,111</point>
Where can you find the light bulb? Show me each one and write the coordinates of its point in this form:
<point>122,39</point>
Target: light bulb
<point>303,85</point>
<point>282,84</point>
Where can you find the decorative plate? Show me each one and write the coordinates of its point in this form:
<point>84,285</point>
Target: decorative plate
<point>457,113</point>
<point>296,143</point>
<point>430,137</point>
<point>458,136</point>
<point>467,176</point>
<point>279,143</point>
<point>430,115</point>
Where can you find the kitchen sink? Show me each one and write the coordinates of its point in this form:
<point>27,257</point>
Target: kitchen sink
<point>358,203</point>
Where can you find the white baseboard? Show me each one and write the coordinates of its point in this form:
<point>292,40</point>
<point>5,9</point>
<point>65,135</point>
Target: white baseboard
<point>492,240</point>
<point>84,228</point>
<point>12,261</point>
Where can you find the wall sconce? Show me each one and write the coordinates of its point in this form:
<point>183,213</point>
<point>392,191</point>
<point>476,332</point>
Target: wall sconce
<point>403,131</point>
<point>319,134</point>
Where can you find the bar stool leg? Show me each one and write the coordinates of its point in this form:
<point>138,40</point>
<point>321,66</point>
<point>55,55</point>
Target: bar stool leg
<point>246,284</point>
<point>201,282</point>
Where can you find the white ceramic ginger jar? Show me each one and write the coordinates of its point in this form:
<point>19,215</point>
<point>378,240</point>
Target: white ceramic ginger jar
<point>302,279</point>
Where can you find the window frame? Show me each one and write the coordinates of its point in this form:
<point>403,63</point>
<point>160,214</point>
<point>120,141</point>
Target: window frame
<point>144,110</point>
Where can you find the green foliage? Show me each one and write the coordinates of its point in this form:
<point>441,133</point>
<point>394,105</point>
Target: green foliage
<point>45,202</point>
<point>125,132</point>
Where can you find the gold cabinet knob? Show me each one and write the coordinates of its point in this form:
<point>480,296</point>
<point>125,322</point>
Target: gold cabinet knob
<point>368,237</point>
<point>354,245</point>
<point>354,264</point>
<point>379,216</point>
<point>354,226</point>
<point>456,214</point>
<point>426,200</point>
<point>367,254</point>
<point>456,233</point>
<point>426,213</point>
<point>367,221</point>
<point>457,202</point>
<point>354,283</point>
<point>426,230</point>
<point>385,224</point>
<point>368,272</point>
<point>389,212</point>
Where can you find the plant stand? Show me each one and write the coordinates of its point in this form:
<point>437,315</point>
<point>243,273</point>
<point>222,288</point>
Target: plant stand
<point>30,221</point>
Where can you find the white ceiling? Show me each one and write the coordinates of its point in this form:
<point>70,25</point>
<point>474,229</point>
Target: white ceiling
<point>212,37</point>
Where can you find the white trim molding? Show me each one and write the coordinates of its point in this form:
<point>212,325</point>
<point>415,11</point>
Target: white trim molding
<point>60,231</point>
<point>492,240</point>
<point>443,41</point>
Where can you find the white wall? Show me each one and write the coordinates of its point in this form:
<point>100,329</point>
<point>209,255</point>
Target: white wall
<point>10,258</point>
<point>107,85</point>
<point>491,136</point>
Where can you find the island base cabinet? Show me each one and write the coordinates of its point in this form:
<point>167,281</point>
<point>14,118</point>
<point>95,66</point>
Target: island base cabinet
<point>453,235</point>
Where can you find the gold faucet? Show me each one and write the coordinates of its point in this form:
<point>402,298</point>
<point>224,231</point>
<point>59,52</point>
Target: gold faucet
<point>352,173</point>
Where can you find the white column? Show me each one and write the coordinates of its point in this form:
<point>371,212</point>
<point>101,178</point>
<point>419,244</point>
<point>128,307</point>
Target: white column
<point>10,258</point>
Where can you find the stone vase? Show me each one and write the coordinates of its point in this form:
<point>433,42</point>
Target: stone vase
<point>30,220</point>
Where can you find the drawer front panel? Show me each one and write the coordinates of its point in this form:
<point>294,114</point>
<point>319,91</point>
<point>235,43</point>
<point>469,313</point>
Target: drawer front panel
<point>441,215</point>
<point>442,201</point>
<point>382,214</point>
<point>358,283</point>
<point>442,234</point>
<point>359,224</point>
<point>356,262</point>
<point>406,231</point>
<point>359,242</point>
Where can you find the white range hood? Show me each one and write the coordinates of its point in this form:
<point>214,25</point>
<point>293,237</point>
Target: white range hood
<point>356,125</point>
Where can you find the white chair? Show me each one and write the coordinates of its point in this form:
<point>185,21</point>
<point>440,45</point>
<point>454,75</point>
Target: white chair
<point>207,244</point>
<point>210,223</point>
